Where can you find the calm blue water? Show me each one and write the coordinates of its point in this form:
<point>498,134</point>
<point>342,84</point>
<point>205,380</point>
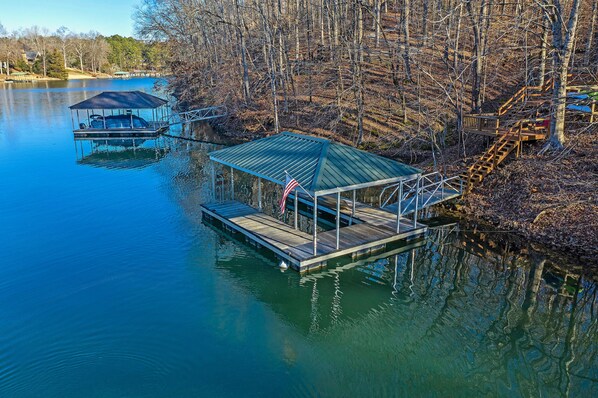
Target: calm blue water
<point>111,286</point>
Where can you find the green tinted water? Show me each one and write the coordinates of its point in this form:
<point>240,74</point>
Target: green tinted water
<point>111,286</point>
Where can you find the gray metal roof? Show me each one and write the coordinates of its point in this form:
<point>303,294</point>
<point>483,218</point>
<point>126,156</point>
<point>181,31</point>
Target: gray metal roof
<point>121,100</point>
<point>319,165</point>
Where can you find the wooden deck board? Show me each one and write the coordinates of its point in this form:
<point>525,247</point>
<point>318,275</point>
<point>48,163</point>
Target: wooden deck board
<point>296,246</point>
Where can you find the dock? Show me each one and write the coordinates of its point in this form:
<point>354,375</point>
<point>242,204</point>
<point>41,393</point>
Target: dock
<point>116,114</point>
<point>320,181</point>
<point>296,247</point>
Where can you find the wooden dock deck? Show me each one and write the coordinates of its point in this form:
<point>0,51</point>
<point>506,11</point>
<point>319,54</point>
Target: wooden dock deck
<point>296,247</point>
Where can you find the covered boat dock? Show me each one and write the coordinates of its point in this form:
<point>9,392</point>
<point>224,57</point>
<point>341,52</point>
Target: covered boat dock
<point>120,114</point>
<point>330,176</point>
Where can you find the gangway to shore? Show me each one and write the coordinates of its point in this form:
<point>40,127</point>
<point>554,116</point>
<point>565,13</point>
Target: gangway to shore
<point>196,115</point>
<point>409,196</point>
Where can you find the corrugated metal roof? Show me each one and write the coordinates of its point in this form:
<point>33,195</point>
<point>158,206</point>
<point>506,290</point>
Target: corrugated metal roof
<point>320,166</point>
<point>121,100</point>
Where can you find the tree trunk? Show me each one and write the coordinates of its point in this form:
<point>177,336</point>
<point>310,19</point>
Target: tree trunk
<point>406,39</point>
<point>243,51</point>
<point>591,32</point>
<point>425,23</point>
<point>44,63</point>
<point>563,47</point>
<point>543,52</point>
<point>64,53</point>
<point>479,25</point>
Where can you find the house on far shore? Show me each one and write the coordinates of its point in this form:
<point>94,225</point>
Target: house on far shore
<point>31,56</point>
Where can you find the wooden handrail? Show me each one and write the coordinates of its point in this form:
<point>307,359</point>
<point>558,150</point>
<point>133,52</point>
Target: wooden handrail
<point>512,101</point>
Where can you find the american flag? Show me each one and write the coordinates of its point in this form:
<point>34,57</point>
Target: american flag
<point>291,184</point>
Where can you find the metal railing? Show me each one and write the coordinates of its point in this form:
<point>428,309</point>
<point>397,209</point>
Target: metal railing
<point>196,115</point>
<point>422,190</point>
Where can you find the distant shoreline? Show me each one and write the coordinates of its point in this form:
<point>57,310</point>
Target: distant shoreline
<point>72,75</point>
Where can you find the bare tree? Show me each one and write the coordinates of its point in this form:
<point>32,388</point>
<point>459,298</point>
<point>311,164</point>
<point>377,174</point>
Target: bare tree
<point>64,35</point>
<point>79,46</point>
<point>38,38</point>
<point>563,37</point>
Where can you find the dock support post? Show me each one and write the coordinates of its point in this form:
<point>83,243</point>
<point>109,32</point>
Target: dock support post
<point>338,219</point>
<point>259,193</point>
<point>416,200</point>
<point>315,224</point>
<point>213,175</point>
<point>399,206</point>
<point>232,184</point>
<point>296,208</point>
<point>104,119</point>
<point>354,200</point>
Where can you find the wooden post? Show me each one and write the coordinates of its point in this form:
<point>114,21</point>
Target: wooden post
<point>232,184</point>
<point>338,219</point>
<point>104,119</point>
<point>72,121</point>
<point>519,141</point>
<point>315,224</point>
<point>399,206</point>
<point>296,208</point>
<point>259,193</point>
<point>496,151</point>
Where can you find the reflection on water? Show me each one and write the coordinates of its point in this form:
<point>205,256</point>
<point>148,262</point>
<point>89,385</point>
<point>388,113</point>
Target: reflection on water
<point>437,318</point>
<point>111,286</point>
<point>121,152</point>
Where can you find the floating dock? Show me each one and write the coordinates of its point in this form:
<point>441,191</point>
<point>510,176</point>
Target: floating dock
<point>369,234</point>
<point>317,176</point>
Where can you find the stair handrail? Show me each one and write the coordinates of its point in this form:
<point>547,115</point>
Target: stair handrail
<point>517,97</point>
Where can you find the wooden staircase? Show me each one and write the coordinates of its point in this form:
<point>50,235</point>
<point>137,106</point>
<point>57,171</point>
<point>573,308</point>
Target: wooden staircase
<point>488,161</point>
<point>516,121</point>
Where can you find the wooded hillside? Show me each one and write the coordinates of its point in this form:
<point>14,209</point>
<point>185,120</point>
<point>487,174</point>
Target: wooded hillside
<point>387,75</point>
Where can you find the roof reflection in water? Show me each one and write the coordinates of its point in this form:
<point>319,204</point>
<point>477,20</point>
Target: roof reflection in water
<point>121,153</point>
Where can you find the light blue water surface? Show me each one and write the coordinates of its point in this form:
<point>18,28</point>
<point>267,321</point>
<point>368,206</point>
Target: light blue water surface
<point>111,286</point>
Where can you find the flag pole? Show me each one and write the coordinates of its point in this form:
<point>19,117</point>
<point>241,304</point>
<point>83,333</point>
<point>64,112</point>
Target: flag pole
<point>300,186</point>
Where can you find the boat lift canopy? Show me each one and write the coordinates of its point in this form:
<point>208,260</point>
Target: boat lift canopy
<point>121,100</point>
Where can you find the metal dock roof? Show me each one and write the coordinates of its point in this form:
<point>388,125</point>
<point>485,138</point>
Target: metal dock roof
<point>121,100</point>
<point>319,165</point>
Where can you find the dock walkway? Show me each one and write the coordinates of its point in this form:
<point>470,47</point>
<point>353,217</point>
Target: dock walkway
<point>296,247</point>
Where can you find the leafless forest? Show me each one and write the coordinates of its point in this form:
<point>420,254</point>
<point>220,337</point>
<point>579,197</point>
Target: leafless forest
<point>372,73</point>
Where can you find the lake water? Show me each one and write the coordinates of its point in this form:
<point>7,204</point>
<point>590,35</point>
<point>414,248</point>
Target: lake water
<point>111,286</point>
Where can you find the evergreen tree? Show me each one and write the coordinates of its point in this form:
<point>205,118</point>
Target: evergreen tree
<point>55,67</point>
